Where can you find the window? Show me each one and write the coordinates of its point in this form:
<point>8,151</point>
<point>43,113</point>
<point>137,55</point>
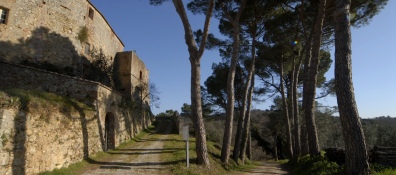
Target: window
<point>140,75</point>
<point>87,48</point>
<point>3,15</point>
<point>91,13</point>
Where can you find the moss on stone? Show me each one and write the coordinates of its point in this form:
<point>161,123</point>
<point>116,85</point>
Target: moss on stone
<point>82,35</point>
<point>4,139</point>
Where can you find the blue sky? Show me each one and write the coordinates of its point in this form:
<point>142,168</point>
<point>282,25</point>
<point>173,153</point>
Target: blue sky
<point>157,35</point>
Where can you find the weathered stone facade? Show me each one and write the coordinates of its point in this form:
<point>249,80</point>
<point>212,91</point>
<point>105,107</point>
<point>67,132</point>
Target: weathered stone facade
<point>132,73</point>
<point>46,30</point>
<point>43,145</point>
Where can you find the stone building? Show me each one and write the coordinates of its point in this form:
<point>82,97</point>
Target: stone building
<point>55,31</point>
<point>64,34</point>
<point>59,46</point>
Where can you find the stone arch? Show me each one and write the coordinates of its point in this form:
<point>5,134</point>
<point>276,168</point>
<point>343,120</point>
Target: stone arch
<point>109,131</point>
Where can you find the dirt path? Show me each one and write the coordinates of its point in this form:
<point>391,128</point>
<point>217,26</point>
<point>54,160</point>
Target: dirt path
<point>266,168</point>
<point>141,159</point>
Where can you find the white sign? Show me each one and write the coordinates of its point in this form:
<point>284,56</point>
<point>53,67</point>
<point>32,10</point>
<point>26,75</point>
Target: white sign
<point>185,133</point>
<point>185,138</point>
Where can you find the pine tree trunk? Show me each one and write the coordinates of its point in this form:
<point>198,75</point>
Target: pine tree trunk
<point>286,112</point>
<point>296,128</point>
<point>276,146</point>
<point>241,129</point>
<point>356,157</point>
<point>196,109</point>
<point>195,57</point>
<point>304,139</point>
<point>238,134</point>
<point>311,82</point>
<point>307,62</point>
<point>246,127</point>
<point>226,148</point>
<point>290,99</point>
<point>249,147</point>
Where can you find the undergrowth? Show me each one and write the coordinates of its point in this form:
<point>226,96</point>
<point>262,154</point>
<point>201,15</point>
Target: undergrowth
<point>318,165</point>
<point>377,169</point>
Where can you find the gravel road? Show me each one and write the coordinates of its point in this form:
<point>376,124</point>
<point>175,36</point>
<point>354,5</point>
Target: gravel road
<point>141,159</point>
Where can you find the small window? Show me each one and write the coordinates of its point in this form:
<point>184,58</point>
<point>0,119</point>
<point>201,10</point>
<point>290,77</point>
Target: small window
<point>3,15</point>
<point>141,75</point>
<point>91,13</point>
<point>87,48</point>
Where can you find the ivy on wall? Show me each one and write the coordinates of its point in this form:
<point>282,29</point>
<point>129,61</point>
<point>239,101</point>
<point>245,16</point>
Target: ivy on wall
<point>82,35</point>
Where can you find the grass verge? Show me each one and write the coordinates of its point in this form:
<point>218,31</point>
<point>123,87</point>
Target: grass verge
<point>214,150</point>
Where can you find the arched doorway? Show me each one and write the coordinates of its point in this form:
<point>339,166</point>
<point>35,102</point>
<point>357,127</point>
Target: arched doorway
<point>109,132</point>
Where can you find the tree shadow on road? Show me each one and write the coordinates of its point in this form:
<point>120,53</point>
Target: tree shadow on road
<point>131,165</point>
<point>148,151</point>
<point>151,149</point>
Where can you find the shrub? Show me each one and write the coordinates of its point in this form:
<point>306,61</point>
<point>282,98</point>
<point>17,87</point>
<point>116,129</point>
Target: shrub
<point>214,131</point>
<point>378,169</point>
<point>318,165</point>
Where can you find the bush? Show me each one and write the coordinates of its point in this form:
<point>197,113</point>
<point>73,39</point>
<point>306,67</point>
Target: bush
<point>214,131</point>
<point>318,165</point>
<point>378,169</point>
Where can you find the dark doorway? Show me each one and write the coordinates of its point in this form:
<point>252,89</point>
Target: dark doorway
<point>109,132</point>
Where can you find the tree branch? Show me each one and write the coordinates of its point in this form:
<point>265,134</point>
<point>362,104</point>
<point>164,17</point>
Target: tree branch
<point>206,28</point>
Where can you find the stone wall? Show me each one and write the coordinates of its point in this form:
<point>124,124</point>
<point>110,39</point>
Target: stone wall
<point>32,144</point>
<point>47,30</point>
<point>140,75</point>
<point>131,73</point>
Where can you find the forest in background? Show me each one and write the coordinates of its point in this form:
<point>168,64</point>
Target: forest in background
<point>378,131</point>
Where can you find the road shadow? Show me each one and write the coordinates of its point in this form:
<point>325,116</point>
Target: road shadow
<point>123,165</point>
<point>152,149</point>
<point>159,140</point>
<point>162,127</point>
<point>144,152</point>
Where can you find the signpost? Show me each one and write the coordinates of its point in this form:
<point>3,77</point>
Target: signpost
<point>185,138</point>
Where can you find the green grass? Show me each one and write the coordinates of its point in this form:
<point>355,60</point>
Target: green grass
<point>377,169</point>
<point>245,167</point>
<point>214,151</point>
<point>40,102</point>
<point>179,155</point>
<point>386,172</point>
